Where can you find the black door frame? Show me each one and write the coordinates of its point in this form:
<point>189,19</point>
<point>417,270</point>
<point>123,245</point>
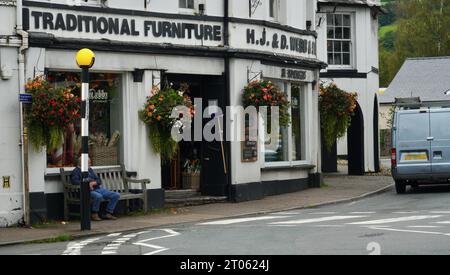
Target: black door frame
<point>205,189</point>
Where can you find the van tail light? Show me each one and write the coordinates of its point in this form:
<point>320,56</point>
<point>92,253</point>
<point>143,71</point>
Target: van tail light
<point>394,157</point>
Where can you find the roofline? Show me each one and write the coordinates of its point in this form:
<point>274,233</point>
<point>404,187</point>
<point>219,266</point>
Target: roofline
<point>428,58</point>
<point>379,7</point>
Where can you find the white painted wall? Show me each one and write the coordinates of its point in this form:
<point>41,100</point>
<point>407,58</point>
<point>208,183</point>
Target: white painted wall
<point>365,48</point>
<point>10,157</point>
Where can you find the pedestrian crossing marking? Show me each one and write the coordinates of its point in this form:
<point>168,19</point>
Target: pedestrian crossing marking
<point>324,219</point>
<point>394,220</point>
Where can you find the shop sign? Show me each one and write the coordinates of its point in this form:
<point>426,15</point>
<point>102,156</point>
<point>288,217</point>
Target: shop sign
<point>91,25</point>
<point>26,98</point>
<point>274,40</point>
<point>293,74</point>
<point>98,95</point>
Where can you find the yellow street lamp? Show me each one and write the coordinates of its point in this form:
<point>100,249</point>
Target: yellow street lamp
<point>85,58</point>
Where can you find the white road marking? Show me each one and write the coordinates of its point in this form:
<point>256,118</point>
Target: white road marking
<point>408,231</point>
<point>444,222</point>
<point>159,249</point>
<point>440,212</point>
<point>363,213</point>
<point>286,213</point>
<point>74,248</point>
<point>406,212</point>
<point>325,219</point>
<point>114,246</point>
<point>323,213</point>
<point>394,220</point>
<point>242,220</point>
<point>424,226</point>
<point>329,226</point>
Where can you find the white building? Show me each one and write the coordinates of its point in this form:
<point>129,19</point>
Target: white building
<point>348,43</point>
<point>216,47</point>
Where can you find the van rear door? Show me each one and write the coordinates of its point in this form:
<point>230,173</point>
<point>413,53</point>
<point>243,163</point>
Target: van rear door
<point>440,145</point>
<point>413,142</point>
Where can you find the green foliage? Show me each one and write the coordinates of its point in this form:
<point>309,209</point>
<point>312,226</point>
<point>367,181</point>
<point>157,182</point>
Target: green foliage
<point>423,30</point>
<point>157,114</point>
<point>266,94</point>
<point>336,109</point>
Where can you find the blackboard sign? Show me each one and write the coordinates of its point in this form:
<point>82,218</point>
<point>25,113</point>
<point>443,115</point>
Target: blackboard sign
<point>249,148</point>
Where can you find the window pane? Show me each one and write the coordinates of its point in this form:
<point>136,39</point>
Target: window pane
<point>297,123</point>
<point>330,46</point>
<point>338,33</point>
<point>190,4</point>
<point>337,59</point>
<point>330,32</point>
<point>347,21</point>
<point>346,59</point>
<point>280,153</point>
<point>104,121</point>
<point>346,46</point>
<point>330,59</point>
<point>338,20</point>
<point>330,19</point>
<point>347,33</point>
<point>182,4</point>
<point>337,46</point>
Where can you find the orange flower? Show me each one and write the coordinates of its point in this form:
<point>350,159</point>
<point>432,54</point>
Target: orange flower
<point>159,118</point>
<point>150,114</point>
<point>152,107</point>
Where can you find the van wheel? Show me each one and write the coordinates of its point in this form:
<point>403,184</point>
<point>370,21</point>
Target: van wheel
<point>400,187</point>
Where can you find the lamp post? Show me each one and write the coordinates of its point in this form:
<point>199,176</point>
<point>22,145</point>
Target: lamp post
<point>85,60</point>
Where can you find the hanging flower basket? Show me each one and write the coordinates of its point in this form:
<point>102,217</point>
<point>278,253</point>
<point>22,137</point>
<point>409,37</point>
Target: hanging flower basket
<point>336,110</point>
<point>157,116</point>
<point>265,94</point>
<point>53,109</point>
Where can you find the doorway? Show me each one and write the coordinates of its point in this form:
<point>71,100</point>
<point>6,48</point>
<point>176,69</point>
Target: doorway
<point>200,165</point>
<point>376,136</point>
<point>355,144</point>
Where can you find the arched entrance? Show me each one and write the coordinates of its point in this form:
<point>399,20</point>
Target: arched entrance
<point>376,135</point>
<point>355,143</point>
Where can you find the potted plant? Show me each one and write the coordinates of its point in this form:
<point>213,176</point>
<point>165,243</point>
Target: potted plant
<point>336,110</point>
<point>53,110</point>
<point>191,174</point>
<point>261,93</point>
<point>157,116</point>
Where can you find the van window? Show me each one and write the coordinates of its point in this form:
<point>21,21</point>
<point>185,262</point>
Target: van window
<point>413,127</point>
<point>440,125</point>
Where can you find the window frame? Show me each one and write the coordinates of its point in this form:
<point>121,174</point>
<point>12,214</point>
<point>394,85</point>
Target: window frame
<point>352,40</point>
<point>306,99</point>
<point>187,10</point>
<point>275,5</point>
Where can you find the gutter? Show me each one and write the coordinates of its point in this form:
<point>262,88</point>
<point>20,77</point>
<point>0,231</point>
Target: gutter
<point>23,131</point>
<point>226,33</point>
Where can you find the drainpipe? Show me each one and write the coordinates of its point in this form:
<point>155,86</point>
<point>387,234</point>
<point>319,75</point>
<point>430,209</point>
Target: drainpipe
<point>23,130</point>
<point>226,43</point>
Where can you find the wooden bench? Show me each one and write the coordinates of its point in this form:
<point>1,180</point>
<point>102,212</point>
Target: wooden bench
<point>114,179</point>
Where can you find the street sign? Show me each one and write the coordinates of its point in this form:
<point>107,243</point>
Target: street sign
<point>26,98</point>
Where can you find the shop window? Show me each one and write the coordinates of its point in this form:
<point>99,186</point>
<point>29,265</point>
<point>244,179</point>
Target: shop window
<point>291,146</point>
<point>298,122</point>
<point>186,4</point>
<point>339,39</point>
<point>104,121</point>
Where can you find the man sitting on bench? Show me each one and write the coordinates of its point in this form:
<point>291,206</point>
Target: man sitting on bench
<point>98,193</point>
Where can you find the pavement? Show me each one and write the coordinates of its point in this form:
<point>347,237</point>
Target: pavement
<point>338,188</point>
